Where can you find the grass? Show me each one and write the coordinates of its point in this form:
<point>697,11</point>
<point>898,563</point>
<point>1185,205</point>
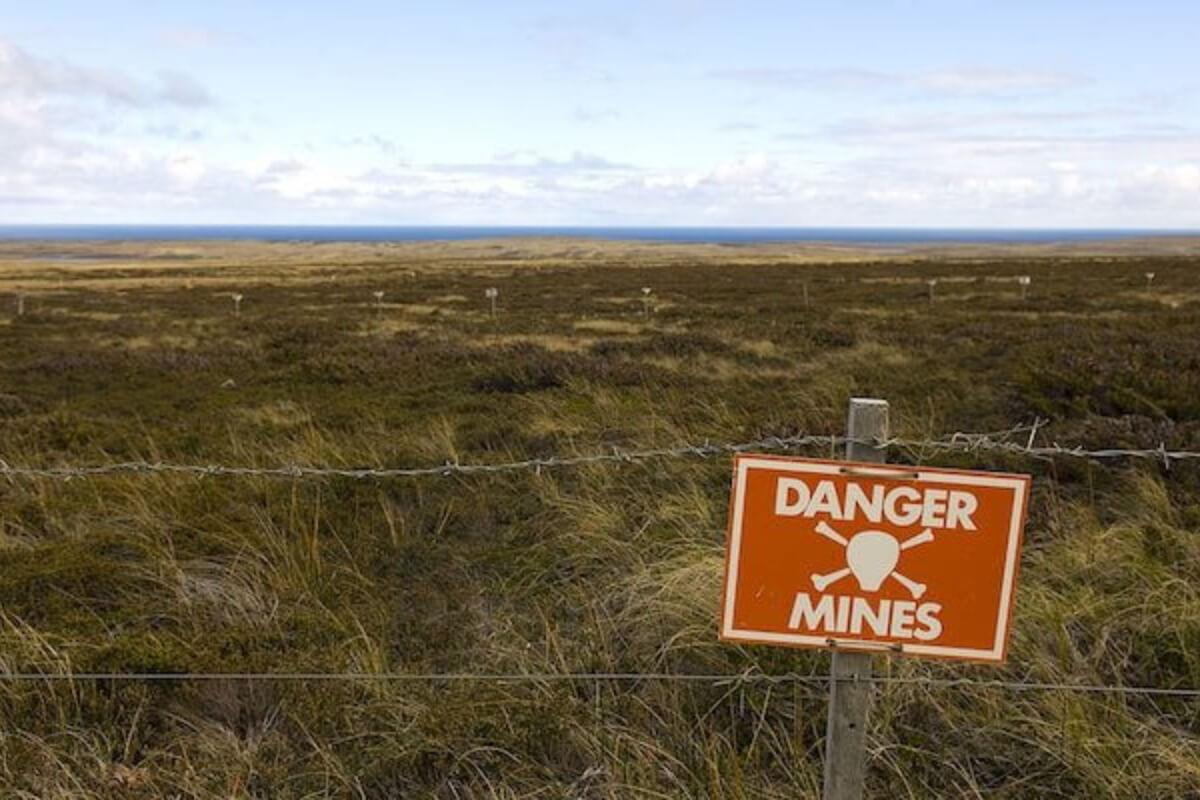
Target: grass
<point>609,568</point>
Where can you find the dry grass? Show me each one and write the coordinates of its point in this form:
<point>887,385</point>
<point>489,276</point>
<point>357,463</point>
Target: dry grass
<point>606,568</point>
<point>608,326</point>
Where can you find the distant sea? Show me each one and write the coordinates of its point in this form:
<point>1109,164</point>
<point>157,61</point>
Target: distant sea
<point>709,235</point>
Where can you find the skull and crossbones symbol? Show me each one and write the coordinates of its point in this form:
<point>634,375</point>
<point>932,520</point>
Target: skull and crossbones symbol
<point>871,556</point>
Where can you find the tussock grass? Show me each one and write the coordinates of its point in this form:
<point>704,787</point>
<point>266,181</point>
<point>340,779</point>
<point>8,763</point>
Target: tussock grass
<point>590,569</point>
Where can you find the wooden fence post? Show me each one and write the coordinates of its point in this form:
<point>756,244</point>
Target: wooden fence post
<point>851,686</point>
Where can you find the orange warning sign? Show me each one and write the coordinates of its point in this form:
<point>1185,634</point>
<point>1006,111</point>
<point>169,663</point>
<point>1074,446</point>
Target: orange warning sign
<point>916,560</point>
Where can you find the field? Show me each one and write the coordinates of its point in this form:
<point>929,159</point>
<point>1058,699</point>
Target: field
<point>134,352</point>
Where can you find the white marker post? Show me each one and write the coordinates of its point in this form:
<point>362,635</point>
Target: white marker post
<point>378,304</point>
<point>932,283</point>
<point>646,301</point>
<point>491,293</point>
<point>850,685</point>
<point>237,303</point>
<point>1024,281</point>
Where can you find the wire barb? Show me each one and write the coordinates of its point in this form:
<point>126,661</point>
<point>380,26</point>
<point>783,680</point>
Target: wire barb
<point>1001,442</point>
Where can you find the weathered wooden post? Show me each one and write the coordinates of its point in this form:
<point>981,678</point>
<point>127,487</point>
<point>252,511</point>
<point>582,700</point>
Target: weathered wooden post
<point>779,510</point>
<point>850,683</point>
<point>491,293</point>
<point>237,303</point>
<point>806,295</point>
<point>1149,279</point>
<point>931,283</point>
<point>378,304</point>
<point>646,301</point>
<point>20,304</point>
<point>1024,281</point>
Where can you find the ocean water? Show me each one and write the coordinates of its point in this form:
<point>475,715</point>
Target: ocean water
<point>711,235</point>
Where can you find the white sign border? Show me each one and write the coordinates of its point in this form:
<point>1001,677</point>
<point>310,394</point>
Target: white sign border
<point>996,654</point>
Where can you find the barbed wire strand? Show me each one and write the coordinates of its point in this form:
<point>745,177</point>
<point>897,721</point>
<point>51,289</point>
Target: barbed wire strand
<point>612,677</point>
<point>960,442</point>
<point>999,441</point>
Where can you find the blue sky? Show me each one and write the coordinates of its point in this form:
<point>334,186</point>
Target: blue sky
<point>659,112</point>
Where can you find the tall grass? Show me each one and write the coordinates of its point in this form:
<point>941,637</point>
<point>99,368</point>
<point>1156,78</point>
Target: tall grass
<point>607,568</point>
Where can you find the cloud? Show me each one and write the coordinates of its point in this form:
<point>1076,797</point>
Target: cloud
<point>580,160</point>
<point>525,162</point>
<point>24,200</point>
<point>986,80</point>
<point>1101,137</point>
<point>896,126</point>
<point>72,135</point>
<point>965,80</point>
<point>1181,178</point>
<point>753,189</point>
<point>27,75</point>
<point>289,166</point>
<point>513,156</point>
<point>178,89</point>
<point>175,132</point>
<point>929,180</point>
<point>374,142</point>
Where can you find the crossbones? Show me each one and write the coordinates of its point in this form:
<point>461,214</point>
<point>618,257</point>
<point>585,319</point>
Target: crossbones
<point>823,581</point>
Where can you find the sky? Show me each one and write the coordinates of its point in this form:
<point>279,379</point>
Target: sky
<point>926,113</point>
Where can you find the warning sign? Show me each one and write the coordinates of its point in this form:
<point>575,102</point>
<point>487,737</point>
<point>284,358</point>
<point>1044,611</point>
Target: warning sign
<point>918,560</point>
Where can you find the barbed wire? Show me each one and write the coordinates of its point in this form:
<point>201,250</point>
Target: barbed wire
<point>773,443</point>
<point>996,441</point>
<point>1000,442</point>
<point>748,677</point>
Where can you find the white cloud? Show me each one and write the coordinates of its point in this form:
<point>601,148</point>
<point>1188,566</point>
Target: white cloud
<point>756,188</point>
<point>984,80</point>
<point>530,164</point>
<point>1031,167</point>
<point>963,80</point>
<point>901,124</point>
<point>286,166</point>
<point>176,88</point>
<point>1177,178</point>
<point>23,74</point>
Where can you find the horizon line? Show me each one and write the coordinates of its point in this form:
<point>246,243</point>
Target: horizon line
<point>592,226</point>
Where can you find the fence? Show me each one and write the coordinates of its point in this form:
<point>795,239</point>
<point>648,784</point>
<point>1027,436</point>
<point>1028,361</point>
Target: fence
<point>716,679</point>
<point>1001,442</point>
<point>995,442</point>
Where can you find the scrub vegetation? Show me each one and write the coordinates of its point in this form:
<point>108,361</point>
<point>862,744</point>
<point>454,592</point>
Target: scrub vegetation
<point>134,352</point>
